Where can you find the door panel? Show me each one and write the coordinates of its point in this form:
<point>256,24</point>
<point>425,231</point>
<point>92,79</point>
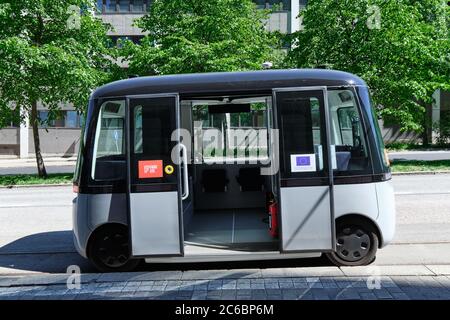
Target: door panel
<point>155,223</point>
<point>306,223</point>
<point>154,178</point>
<point>306,189</point>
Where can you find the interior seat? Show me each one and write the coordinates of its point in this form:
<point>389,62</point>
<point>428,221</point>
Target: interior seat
<point>250,179</point>
<point>214,180</point>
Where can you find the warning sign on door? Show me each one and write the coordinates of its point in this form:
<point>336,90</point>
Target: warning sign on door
<point>150,169</point>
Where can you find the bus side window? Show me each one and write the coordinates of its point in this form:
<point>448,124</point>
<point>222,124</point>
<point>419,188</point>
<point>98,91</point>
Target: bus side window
<point>109,147</point>
<point>349,146</point>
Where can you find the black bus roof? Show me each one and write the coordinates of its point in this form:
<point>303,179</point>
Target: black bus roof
<point>249,81</point>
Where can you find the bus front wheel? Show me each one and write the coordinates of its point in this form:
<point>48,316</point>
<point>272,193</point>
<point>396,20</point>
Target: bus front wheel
<point>109,250</point>
<point>356,244</point>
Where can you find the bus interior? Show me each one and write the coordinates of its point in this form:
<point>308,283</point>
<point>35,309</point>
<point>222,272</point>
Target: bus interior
<point>231,142</point>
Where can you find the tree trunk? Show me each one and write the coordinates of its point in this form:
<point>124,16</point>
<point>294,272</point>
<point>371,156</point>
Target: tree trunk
<point>37,144</point>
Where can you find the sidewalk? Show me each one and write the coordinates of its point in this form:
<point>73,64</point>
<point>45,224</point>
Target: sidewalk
<point>8,162</point>
<point>425,155</point>
<point>312,283</point>
<point>10,165</point>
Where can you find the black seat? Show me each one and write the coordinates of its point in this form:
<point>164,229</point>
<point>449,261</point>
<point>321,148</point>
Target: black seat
<point>250,179</point>
<point>214,180</point>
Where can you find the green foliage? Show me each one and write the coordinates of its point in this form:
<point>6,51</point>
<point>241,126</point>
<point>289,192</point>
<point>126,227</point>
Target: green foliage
<point>202,36</point>
<point>31,179</point>
<point>48,55</point>
<point>421,166</point>
<point>403,61</point>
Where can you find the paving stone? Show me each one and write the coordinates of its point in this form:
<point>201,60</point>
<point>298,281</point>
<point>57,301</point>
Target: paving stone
<point>328,285</point>
<point>317,285</point>
<point>243,284</point>
<point>244,292</point>
<point>319,294</point>
<point>286,284</point>
<point>400,296</point>
<point>273,292</point>
<point>226,284</point>
<point>382,294</point>
<point>229,294</point>
<point>368,296</point>
<point>271,284</point>
<point>302,285</point>
<point>217,284</point>
<point>229,284</point>
<point>274,297</point>
<point>144,288</point>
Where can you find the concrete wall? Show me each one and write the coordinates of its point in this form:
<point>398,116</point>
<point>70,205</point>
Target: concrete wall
<point>9,141</point>
<point>394,134</point>
<point>57,141</point>
<point>122,24</point>
<point>279,21</point>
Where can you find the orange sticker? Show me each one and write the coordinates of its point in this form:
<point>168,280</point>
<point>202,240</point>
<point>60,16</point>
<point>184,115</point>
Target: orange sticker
<point>150,169</point>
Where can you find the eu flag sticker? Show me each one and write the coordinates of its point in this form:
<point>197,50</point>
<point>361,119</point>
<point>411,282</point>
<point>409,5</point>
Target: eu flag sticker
<point>303,163</point>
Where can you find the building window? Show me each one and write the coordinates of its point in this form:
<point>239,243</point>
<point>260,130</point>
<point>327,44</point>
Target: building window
<point>137,6</point>
<point>65,119</point>
<point>303,4</point>
<point>72,119</point>
<point>110,6</point>
<point>99,6</point>
<point>283,5</point>
<point>122,6</point>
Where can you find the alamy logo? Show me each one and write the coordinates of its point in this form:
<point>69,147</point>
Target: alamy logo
<point>74,280</point>
<point>74,20</point>
<point>374,280</point>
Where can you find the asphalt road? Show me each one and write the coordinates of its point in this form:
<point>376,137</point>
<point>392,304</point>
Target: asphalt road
<point>35,226</point>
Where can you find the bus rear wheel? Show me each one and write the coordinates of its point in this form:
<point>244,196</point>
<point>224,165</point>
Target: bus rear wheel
<point>356,244</point>
<point>109,250</point>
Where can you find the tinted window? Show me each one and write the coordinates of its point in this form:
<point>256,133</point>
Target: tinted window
<point>302,133</point>
<point>350,152</point>
<point>109,144</point>
<point>152,123</point>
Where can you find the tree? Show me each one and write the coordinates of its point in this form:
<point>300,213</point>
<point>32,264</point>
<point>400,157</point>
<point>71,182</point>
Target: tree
<point>201,36</point>
<point>401,49</point>
<point>51,52</point>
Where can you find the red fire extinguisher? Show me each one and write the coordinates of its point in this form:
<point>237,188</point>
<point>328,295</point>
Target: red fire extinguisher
<point>273,219</point>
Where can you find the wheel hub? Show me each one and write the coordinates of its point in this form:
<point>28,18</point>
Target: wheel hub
<point>113,250</point>
<point>353,244</point>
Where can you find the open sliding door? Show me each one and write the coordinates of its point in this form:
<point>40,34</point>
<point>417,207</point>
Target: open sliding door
<point>305,178</point>
<point>154,178</point>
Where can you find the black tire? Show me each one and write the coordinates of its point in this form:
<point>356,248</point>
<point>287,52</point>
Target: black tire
<point>356,244</point>
<point>109,250</point>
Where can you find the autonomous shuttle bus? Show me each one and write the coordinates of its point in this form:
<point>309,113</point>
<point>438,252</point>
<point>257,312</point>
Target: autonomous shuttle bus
<point>232,166</point>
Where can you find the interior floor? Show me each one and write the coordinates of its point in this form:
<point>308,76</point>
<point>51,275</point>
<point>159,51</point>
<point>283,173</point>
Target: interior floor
<point>237,229</point>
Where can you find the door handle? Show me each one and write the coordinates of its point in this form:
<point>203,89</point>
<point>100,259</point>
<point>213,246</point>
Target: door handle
<point>185,194</point>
